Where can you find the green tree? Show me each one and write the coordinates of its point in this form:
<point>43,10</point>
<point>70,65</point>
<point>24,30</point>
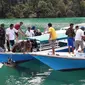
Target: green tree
<point>82,7</point>
<point>61,8</point>
<point>3,8</point>
<point>42,9</point>
<point>18,11</point>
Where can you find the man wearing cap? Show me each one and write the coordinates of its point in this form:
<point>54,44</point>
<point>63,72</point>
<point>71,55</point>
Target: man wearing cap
<point>79,38</point>
<point>71,34</point>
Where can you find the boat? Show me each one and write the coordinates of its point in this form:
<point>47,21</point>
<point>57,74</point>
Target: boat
<point>43,43</point>
<point>62,60</point>
<point>19,57</point>
<point>15,57</point>
<point>80,25</point>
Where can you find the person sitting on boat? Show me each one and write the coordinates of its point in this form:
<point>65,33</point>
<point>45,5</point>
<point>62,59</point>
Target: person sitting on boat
<point>52,37</point>
<point>37,32</point>
<point>79,38</point>
<point>2,37</point>
<point>33,28</point>
<point>18,27</point>
<point>10,33</point>
<point>71,34</point>
<point>29,32</point>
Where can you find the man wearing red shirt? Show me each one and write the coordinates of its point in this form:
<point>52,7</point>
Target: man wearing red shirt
<point>17,27</point>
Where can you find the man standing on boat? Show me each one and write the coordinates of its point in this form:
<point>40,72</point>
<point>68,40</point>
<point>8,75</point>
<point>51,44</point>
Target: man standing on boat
<point>52,37</point>
<point>71,34</point>
<point>2,36</point>
<point>18,27</point>
<point>79,38</point>
<point>10,33</point>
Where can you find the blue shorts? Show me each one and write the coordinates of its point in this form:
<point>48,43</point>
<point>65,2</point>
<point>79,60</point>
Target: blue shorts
<point>71,42</point>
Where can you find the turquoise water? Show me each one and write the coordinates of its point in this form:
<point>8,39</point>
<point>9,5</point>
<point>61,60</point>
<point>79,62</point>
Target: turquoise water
<point>35,72</point>
<point>41,23</point>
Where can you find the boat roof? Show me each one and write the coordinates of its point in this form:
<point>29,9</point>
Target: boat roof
<point>45,37</point>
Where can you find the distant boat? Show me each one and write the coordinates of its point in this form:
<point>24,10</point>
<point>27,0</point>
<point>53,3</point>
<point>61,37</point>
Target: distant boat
<point>80,25</point>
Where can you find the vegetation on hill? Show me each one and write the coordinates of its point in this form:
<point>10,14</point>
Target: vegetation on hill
<point>41,8</point>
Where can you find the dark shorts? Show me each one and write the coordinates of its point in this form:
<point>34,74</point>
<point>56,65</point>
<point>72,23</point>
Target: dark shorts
<point>12,42</point>
<point>71,42</point>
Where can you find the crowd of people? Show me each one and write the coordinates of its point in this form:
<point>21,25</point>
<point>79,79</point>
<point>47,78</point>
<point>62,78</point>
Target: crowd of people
<point>9,36</point>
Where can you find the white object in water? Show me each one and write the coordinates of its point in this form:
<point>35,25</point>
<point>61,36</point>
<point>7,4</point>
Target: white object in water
<point>1,65</point>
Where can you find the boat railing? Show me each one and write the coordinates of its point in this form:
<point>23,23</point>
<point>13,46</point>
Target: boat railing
<point>45,46</point>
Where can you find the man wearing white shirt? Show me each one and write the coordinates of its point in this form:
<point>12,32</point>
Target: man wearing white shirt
<point>10,33</point>
<point>79,39</point>
<point>29,32</point>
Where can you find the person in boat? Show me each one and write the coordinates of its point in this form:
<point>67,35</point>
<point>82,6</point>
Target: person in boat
<point>18,27</point>
<point>79,38</point>
<point>71,34</point>
<point>52,37</point>
<point>2,37</point>
<point>37,32</point>
<point>29,32</point>
<point>10,34</point>
<point>33,28</point>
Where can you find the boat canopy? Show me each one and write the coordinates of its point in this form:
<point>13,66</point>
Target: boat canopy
<point>45,37</point>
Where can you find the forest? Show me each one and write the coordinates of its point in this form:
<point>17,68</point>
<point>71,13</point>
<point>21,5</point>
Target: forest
<point>41,8</point>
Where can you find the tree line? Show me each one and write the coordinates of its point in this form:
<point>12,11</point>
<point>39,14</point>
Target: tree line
<point>41,8</point>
